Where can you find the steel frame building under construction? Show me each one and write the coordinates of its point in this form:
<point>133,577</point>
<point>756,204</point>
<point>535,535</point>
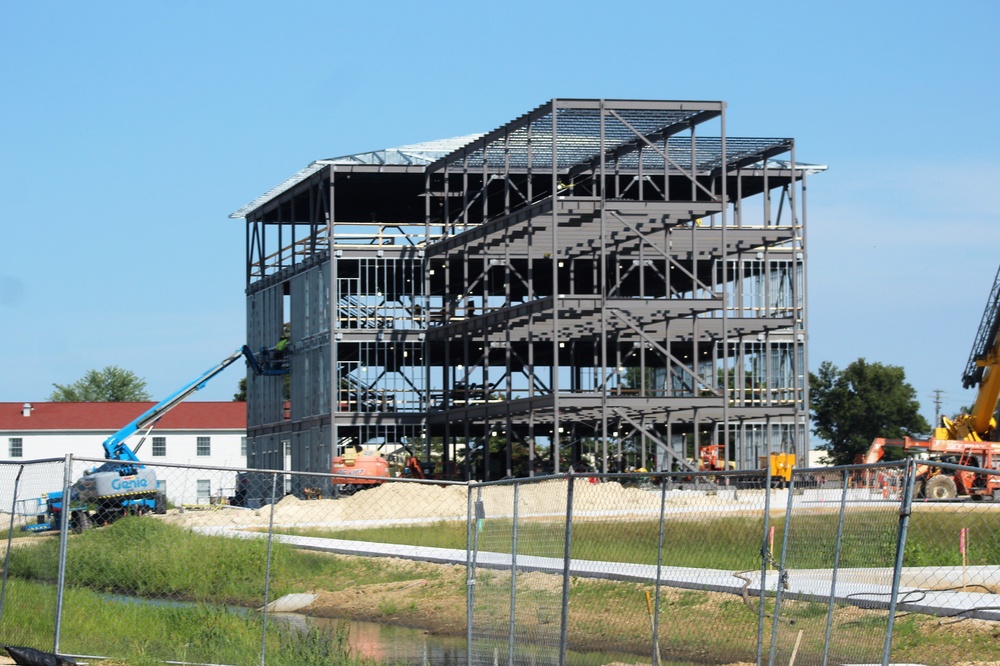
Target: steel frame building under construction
<point>597,283</point>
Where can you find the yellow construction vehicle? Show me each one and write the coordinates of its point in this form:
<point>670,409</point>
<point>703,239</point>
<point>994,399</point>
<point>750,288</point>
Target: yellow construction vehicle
<point>780,467</point>
<point>981,372</point>
<point>968,439</point>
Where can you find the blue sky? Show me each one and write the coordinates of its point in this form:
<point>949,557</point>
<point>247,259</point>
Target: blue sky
<point>132,130</point>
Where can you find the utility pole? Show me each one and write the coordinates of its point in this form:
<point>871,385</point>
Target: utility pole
<point>937,407</point>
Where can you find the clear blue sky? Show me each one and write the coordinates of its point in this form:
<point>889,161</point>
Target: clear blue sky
<point>132,129</point>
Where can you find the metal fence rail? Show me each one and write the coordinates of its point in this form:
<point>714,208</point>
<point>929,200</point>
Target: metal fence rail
<point>843,565</point>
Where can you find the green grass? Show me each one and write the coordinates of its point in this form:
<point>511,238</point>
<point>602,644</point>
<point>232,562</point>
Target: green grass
<point>147,634</point>
<point>729,543</point>
<point>151,559</point>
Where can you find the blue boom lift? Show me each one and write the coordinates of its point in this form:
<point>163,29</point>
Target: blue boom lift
<point>123,485</point>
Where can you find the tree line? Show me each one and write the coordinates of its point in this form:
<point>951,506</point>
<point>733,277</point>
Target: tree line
<point>114,384</point>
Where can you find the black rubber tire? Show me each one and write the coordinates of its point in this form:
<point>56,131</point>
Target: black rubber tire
<point>918,488</point>
<point>160,507</point>
<point>79,521</point>
<point>109,513</point>
<point>941,487</point>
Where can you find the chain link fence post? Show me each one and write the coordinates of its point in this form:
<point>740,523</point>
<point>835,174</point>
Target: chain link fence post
<point>267,570</point>
<point>782,573</point>
<point>765,559</point>
<point>567,551</point>
<point>513,576</point>
<point>477,514</point>
<point>659,570</point>
<point>63,541</point>
<point>10,538</point>
<point>836,565</point>
<point>905,508</point>
<point>469,573</point>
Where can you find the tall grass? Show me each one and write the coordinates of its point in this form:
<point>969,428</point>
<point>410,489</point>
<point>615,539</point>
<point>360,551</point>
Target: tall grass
<point>140,634</point>
<point>144,557</point>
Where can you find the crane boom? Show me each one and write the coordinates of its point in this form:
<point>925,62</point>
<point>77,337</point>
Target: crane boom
<point>981,368</point>
<point>969,439</point>
<point>982,373</point>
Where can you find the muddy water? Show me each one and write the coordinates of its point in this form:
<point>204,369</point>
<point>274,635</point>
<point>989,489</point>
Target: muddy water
<point>400,645</point>
<point>391,644</point>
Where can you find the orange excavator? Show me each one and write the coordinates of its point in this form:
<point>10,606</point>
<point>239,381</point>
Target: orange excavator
<point>969,438</point>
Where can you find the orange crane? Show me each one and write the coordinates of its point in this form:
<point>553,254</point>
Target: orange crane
<point>937,483</point>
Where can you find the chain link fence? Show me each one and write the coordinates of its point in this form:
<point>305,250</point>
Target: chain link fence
<point>851,565</point>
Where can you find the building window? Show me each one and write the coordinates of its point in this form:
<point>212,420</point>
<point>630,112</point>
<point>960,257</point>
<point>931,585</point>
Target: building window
<point>159,447</point>
<point>204,491</point>
<point>204,446</point>
<point>16,447</point>
<point>243,446</point>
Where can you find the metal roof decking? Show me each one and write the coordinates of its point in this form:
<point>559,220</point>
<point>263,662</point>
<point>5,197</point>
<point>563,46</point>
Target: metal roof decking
<point>417,154</point>
<point>628,133</point>
<point>579,151</point>
<point>528,140</point>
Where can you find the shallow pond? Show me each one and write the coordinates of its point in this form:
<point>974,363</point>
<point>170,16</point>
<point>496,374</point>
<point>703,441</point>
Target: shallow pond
<point>401,645</point>
<point>390,644</point>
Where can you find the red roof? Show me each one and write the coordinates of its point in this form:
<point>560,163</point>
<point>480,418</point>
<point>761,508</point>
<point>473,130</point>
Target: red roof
<point>111,416</point>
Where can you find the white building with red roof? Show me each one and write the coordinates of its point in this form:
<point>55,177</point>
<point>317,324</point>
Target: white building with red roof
<point>198,434</point>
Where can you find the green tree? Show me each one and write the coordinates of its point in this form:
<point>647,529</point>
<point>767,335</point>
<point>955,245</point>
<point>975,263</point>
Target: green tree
<point>112,384</point>
<point>852,407</point>
<point>241,391</point>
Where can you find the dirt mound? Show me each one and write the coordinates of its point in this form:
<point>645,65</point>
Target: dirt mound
<point>402,502</point>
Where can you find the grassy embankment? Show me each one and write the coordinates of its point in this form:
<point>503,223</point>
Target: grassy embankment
<point>217,580</point>
<point>733,544</point>
<point>150,559</point>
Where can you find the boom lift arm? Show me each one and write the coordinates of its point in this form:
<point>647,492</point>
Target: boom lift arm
<point>123,484</point>
<point>115,447</point>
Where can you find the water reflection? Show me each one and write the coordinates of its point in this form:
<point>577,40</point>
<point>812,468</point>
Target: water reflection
<point>389,644</point>
<point>401,645</point>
